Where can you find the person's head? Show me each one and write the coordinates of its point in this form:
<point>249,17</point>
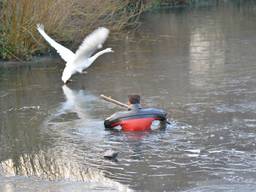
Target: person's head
<point>133,99</point>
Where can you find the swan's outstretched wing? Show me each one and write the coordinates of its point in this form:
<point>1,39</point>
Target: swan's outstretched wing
<point>65,53</point>
<point>91,43</point>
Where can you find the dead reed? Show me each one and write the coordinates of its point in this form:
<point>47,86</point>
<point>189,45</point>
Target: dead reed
<point>19,38</point>
<point>64,20</point>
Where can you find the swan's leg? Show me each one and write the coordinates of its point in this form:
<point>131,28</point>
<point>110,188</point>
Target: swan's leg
<point>81,71</point>
<point>69,81</point>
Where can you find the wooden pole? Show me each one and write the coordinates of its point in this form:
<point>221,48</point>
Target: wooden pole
<point>109,99</point>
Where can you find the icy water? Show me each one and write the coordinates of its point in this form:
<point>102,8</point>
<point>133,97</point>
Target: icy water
<point>198,64</point>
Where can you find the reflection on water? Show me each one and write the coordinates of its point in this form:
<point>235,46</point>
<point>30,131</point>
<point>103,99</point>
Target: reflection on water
<point>75,103</point>
<point>63,158</point>
<point>197,64</point>
<point>46,166</point>
<point>207,53</point>
<point>49,167</point>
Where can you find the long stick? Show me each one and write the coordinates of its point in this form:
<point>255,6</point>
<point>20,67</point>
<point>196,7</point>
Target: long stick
<point>113,101</point>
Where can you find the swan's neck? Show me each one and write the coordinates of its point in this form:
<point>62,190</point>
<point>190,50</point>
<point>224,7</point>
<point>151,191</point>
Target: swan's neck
<point>96,55</point>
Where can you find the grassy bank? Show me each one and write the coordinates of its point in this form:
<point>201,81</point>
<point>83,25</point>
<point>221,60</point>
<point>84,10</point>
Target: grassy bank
<point>66,21</point>
<point>19,39</point>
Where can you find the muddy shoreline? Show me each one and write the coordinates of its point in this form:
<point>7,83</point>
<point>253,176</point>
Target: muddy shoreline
<point>44,61</point>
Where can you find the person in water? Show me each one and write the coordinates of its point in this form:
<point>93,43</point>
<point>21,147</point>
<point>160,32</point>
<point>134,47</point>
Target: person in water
<point>136,118</point>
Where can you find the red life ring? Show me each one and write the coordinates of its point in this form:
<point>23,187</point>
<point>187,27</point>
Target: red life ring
<point>136,120</point>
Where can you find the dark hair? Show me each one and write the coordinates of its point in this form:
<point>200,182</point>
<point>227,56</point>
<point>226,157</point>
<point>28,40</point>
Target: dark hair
<point>134,99</point>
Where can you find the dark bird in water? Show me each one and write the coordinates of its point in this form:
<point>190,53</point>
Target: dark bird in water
<point>110,155</point>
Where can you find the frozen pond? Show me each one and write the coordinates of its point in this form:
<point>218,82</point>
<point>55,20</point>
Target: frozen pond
<point>199,64</point>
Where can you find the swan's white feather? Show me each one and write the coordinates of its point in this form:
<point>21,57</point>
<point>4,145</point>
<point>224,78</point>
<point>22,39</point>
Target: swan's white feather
<point>90,44</point>
<point>64,52</point>
<point>82,59</point>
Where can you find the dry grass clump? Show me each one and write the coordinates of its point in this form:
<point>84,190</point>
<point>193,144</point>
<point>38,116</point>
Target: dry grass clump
<point>117,15</point>
<point>63,19</point>
<point>19,38</point>
<point>87,15</point>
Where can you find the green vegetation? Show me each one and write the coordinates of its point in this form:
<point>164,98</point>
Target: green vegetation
<point>67,21</point>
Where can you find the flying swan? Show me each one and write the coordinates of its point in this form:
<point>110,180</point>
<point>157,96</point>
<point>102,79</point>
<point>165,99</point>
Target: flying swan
<point>80,60</point>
